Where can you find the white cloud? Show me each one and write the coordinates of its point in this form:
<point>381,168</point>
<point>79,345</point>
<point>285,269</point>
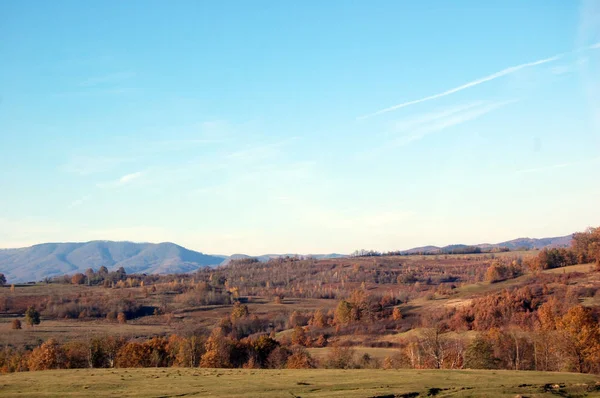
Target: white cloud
<point>557,166</point>
<point>124,180</point>
<point>451,120</point>
<point>79,202</point>
<point>405,132</point>
<point>473,83</point>
<point>129,177</point>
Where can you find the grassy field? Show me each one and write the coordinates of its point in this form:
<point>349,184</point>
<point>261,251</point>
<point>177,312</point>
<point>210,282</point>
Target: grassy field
<point>158,382</point>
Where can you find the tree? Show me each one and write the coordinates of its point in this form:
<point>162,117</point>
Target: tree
<point>261,348</point>
<point>480,354</point>
<point>300,359</point>
<point>32,316</point>
<point>298,336</point>
<point>340,357</point>
<point>586,245</point>
<point>103,351</point>
<point>90,275</point>
<point>343,313</point>
<point>16,324</point>
<point>580,339</point>
<point>78,279</point>
<point>134,355</point>
<point>49,355</point>
<point>2,279</point>
<point>239,311</point>
<point>217,353</point>
<point>122,318</point>
<point>318,319</point>
<point>396,314</point>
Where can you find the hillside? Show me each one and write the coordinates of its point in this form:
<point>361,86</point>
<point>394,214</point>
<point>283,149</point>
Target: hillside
<point>54,259</point>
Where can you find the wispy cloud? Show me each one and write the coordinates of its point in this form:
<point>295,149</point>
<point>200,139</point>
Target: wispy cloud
<point>419,121</point>
<point>557,166</point>
<point>127,178</point>
<point>124,180</point>
<point>453,119</point>
<point>493,76</point>
<point>405,132</point>
<point>79,202</point>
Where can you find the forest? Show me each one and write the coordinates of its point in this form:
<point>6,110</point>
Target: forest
<point>522,310</point>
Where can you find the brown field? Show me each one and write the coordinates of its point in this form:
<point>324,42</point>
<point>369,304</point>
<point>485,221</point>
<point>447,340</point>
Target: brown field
<point>296,383</point>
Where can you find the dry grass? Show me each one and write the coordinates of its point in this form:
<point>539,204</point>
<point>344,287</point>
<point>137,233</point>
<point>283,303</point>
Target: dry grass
<point>159,382</point>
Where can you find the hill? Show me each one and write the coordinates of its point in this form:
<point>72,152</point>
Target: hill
<point>54,259</point>
<point>512,245</point>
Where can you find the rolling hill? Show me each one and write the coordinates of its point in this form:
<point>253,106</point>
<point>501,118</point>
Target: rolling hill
<point>52,259</point>
<point>515,244</point>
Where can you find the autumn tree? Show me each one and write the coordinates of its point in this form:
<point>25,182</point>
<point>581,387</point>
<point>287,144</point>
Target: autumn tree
<point>15,324</point>
<point>49,355</point>
<point>77,355</point>
<point>122,318</point>
<point>78,279</point>
<point>260,350</point>
<point>186,351</point>
<point>32,316</point>
<point>499,271</point>
<point>217,351</point>
<point>2,279</point>
<point>159,353</point>
<point>580,340</point>
<point>298,336</point>
<point>396,314</point>
<point>277,359</point>
<point>299,359</point>
<point>318,319</point>
<point>239,311</point>
<point>343,313</point>
<point>133,355</point>
<point>339,357</point>
<point>586,245</point>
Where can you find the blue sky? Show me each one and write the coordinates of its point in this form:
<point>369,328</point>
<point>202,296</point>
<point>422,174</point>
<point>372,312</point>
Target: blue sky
<point>313,126</point>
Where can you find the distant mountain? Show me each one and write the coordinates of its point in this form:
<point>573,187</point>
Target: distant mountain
<point>53,259</point>
<point>528,243</point>
<point>515,244</point>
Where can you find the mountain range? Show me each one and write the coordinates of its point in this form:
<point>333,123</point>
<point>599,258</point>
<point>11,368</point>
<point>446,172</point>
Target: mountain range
<point>54,259</point>
<point>512,245</point>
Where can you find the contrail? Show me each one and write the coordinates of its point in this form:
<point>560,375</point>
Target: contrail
<point>473,83</point>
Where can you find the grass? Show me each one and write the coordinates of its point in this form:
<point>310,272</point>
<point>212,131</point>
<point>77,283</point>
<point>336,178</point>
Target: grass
<point>583,268</point>
<point>157,382</point>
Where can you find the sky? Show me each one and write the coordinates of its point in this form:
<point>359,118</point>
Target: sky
<point>298,127</point>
